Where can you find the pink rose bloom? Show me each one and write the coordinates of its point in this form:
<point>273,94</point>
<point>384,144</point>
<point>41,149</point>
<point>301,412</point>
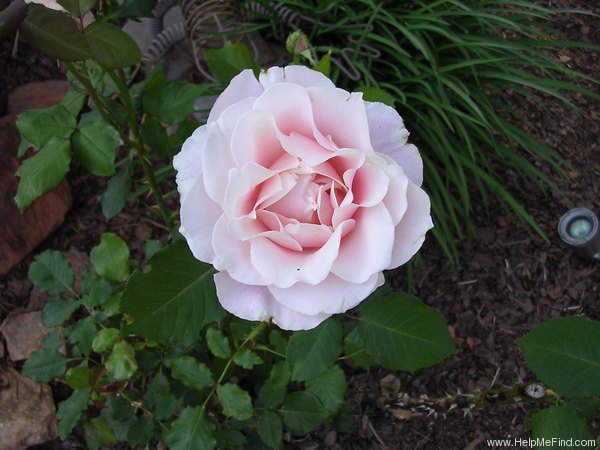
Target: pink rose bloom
<point>300,194</point>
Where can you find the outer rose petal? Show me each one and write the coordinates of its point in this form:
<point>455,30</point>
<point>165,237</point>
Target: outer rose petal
<point>240,87</point>
<point>188,162</point>
<point>410,232</point>
<point>198,217</point>
<point>300,75</point>
<point>233,255</point>
<point>333,295</point>
<point>341,115</point>
<point>389,136</point>
<point>257,303</point>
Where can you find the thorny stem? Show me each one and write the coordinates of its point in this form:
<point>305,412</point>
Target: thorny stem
<point>139,148</point>
<point>139,405</point>
<point>255,333</point>
<point>136,144</point>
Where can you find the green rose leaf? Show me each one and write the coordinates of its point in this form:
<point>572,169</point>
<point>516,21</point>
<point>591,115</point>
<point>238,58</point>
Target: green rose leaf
<point>95,145</point>
<point>377,95</point>
<point>270,428</point>
<point>401,333</point>
<point>50,272</point>
<point>178,294</point>
<point>586,408</point>
<point>558,423</point>
<point>77,7</point>
<point>246,358</point>
<point>105,339</point>
<point>225,63</point>
<point>94,289</point>
<point>191,372</point>
<point>111,46</point>
<point>78,377</point>
<point>235,401</point>
<point>218,344</point>
<point>191,431</point>
<point>354,347</point>
<point>111,258</point>
<point>115,197</point>
<point>57,311</point>
<point>135,9</point>
<point>273,391</point>
<point>54,33</point>
<point>98,432</point>
<point>121,364</point>
<point>329,388</point>
<point>69,411</point>
<point>73,101</point>
<point>141,432</point>
<point>38,126</point>
<point>312,352</point>
<point>302,412</point>
<point>43,171</point>
<point>172,103</point>
<point>563,352</point>
<point>44,365</point>
<point>82,335</point>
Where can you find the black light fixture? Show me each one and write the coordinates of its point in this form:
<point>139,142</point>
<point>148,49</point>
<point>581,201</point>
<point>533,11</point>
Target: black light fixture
<point>579,228</point>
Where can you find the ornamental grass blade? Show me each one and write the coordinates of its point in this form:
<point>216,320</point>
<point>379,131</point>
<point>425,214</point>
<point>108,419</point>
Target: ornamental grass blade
<point>174,299</point>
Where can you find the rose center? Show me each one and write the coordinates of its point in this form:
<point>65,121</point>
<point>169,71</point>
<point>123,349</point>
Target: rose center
<point>301,202</point>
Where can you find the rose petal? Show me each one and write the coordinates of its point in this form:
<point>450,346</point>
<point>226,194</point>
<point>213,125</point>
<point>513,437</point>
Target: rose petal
<point>341,115</point>
<point>217,156</point>
<point>290,106</point>
<point>300,202</point>
<point>233,254</point>
<point>198,217</point>
<point>389,137</point>
<point>369,185</point>
<point>282,267</point>
<point>255,140</point>
<point>332,296</point>
<point>367,249</point>
<point>242,190</point>
<point>257,303</point>
<point>300,75</point>
<point>410,232</point>
<point>242,86</point>
<point>230,117</point>
<point>395,198</point>
<point>188,162</point>
<point>307,150</point>
<point>309,235</point>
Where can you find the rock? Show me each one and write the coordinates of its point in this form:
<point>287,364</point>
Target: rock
<point>21,233</point>
<point>23,334</point>
<point>37,95</point>
<point>27,412</point>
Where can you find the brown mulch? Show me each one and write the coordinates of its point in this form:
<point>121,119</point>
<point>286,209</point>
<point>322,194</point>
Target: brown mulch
<point>508,281</point>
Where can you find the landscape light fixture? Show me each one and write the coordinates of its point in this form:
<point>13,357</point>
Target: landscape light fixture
<point>579,229</point>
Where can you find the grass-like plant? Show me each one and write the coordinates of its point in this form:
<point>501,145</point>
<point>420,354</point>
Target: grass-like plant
<point>454,69</point>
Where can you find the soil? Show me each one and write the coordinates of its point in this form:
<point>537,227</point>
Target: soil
<point>508,281</point>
